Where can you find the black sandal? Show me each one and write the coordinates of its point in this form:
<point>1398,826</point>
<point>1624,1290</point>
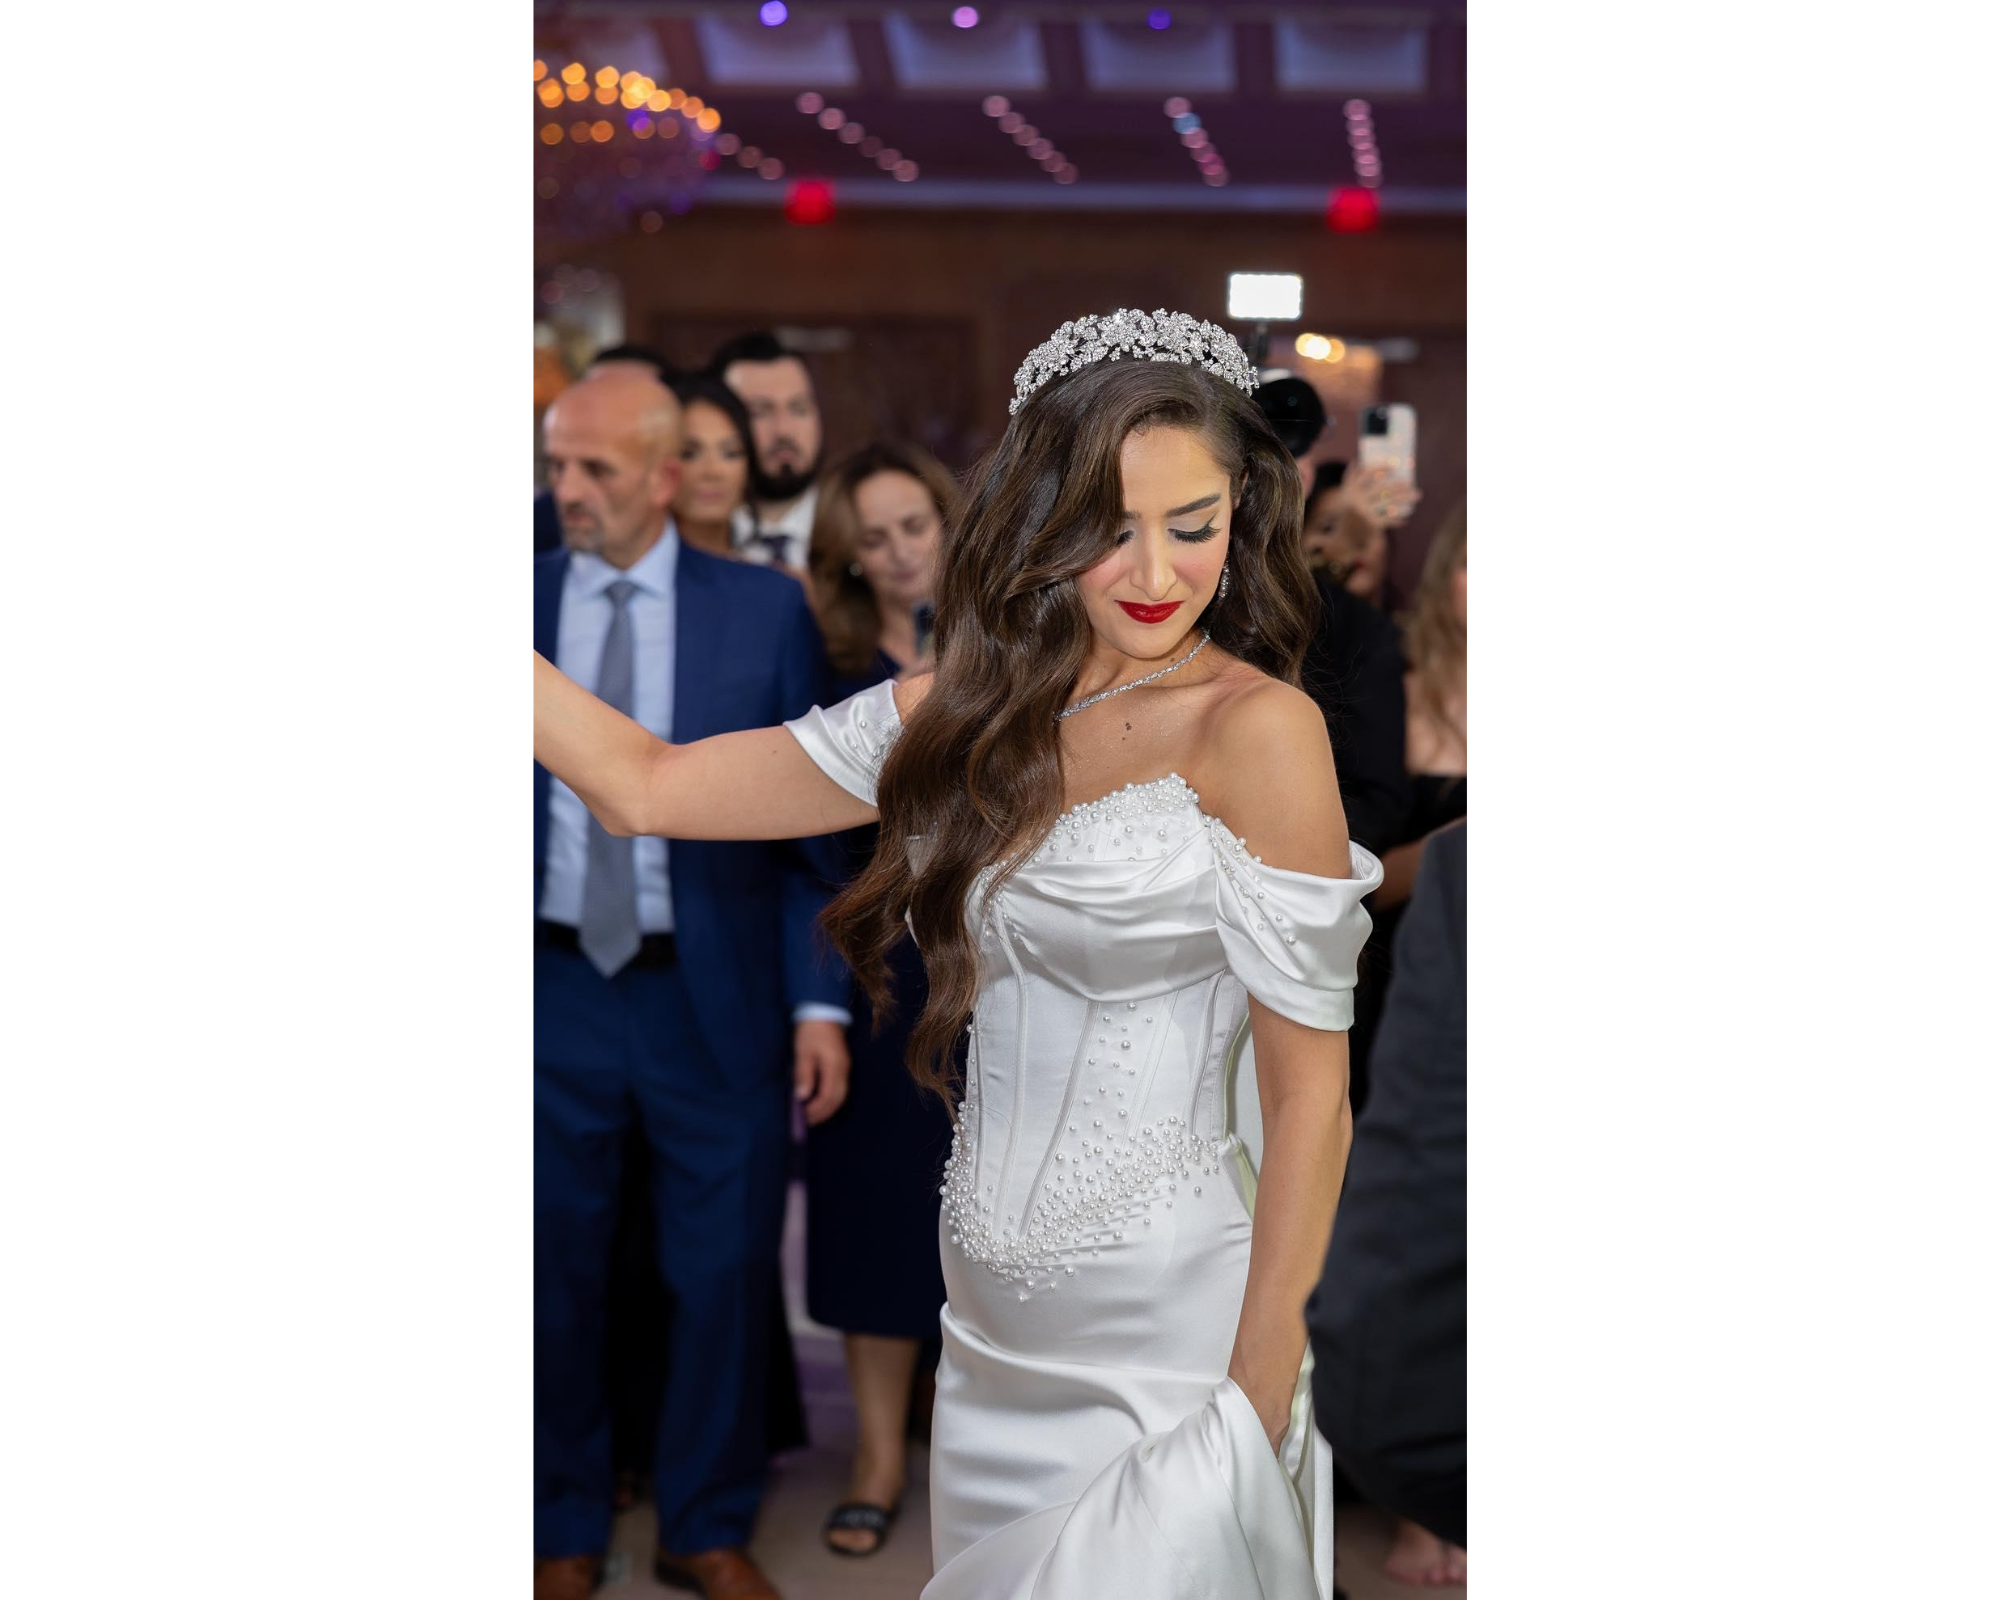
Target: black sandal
<point>860,1515</point>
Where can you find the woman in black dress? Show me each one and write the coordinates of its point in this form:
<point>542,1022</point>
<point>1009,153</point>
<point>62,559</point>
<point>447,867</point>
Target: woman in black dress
<point>872,1169</point>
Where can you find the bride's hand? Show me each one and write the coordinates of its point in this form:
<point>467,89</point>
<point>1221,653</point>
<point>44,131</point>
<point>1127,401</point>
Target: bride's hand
<point>1272,1403</point>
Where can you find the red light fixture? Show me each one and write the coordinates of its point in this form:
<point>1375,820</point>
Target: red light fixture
<point>809,202</point>
<point>1353,210</point>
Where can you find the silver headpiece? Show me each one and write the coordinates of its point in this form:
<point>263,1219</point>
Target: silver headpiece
<point>1160,336</point>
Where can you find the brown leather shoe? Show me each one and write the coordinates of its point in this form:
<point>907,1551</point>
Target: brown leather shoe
<point>725,1574</point>
<point>567,1577</point>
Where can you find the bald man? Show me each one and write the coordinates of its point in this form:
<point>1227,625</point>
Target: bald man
<point>679,985</point>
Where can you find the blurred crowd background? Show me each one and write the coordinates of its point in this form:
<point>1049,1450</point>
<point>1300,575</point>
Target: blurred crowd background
<point>835,231</point>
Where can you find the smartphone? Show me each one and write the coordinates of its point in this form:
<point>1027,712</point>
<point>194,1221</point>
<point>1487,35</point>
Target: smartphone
<point>926,620</point>
<point>1389,439</point>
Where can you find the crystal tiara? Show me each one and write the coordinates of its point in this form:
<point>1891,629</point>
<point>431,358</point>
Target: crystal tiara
<point>1160,336</point>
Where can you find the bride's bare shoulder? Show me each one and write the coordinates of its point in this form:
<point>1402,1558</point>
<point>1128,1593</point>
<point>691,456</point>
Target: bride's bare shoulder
<point>911,688</point>
<point>1268,765</point>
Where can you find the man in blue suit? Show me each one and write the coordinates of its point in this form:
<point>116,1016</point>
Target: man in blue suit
<point>681,983</point>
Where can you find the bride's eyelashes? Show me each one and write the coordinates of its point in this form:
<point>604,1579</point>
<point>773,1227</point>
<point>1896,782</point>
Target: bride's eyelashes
<point>1199,535</point>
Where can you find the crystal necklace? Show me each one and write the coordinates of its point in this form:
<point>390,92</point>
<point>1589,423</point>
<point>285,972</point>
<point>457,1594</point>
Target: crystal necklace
<point>1151,677</point>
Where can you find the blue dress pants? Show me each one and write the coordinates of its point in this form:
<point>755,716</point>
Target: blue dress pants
<point>607,1052</point>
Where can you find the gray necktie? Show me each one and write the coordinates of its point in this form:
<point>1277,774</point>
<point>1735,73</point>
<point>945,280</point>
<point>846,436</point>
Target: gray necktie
<point>609,932</point>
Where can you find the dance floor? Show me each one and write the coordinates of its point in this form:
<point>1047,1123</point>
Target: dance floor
<point>805,1484</point>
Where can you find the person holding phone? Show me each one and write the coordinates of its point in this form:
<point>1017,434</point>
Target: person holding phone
<point>872,1267</point>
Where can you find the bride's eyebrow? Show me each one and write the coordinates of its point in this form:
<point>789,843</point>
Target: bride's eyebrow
<point>1178,511</point>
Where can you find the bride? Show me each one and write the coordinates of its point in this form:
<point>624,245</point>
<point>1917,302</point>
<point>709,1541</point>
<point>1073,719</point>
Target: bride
<point>1112,822</point>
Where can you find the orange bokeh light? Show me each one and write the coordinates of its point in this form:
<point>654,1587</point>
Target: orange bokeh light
<point>607,77</point>
<point>710,120</point>
<point>552,133</point>
<point>578,91</point>
<point>601,132</point>
<point>573,73</point>
<point>541,70</point>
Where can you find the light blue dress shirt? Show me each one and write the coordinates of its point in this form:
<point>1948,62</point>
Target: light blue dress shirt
<point>582,625</point>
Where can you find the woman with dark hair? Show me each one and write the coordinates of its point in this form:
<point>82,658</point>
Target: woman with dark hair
<point>872,1168</point>
<point>715,461</point>
<point>873,560</point>
<point>1111,820</point>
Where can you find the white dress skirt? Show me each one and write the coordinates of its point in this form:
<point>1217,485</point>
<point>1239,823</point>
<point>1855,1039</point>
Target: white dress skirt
<point>1088,1443</point>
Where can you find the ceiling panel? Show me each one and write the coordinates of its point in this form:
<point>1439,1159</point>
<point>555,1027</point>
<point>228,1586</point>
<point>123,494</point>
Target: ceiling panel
<point>747,54</point>
<point>1121,58</point>
<point>1337,59</point>
<point>930,57</point>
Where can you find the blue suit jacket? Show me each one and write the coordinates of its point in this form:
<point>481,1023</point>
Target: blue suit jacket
<point>747,654</point>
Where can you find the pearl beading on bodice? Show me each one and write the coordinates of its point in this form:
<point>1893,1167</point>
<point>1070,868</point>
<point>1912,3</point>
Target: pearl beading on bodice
<point>1099,1191</point>
<point>1133,815</point>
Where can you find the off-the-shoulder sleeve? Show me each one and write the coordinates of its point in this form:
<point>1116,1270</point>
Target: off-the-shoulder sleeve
<point>849,741</point>
<point>1293,938</point>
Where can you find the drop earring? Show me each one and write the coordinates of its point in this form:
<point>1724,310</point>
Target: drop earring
<point>1222,588</point>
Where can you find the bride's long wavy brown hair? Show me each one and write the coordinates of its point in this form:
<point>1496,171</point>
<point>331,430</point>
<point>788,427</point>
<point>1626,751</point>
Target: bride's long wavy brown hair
<point>977,772</point>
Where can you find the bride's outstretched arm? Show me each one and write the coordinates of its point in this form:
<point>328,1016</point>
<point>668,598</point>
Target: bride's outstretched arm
<point>758,784</point>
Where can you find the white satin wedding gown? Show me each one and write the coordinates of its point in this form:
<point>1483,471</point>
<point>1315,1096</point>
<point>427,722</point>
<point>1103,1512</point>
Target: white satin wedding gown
<point>1088,1443</point>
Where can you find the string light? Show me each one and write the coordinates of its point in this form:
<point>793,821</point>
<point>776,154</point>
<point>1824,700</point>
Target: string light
<point>1196,140</point>
<point>835,121</point>
<point>1039,149</point>
<point>1361,143</point>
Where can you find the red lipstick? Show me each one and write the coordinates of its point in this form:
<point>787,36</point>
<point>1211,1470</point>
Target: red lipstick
<point>1158,613</point>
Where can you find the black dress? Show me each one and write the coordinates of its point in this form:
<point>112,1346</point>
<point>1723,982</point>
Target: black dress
<point>873,1167</point>
<point>1353,669</point>
<point>1434,801</point>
